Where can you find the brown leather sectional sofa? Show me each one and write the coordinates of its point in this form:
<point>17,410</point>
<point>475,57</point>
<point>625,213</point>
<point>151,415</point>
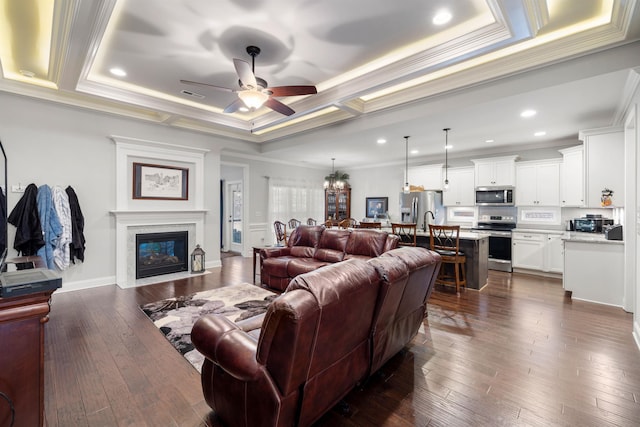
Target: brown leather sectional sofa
<point>312,247</point>
<point>331,329</point>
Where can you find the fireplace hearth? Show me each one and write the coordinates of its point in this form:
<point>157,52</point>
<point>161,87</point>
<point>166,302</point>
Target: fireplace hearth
<point>161,253</point>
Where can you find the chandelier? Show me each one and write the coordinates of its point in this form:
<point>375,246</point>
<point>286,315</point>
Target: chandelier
<point>335,181</point>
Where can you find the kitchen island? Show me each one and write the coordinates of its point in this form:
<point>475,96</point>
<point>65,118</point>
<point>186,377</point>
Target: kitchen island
<point>476,249</point>
<point>594,268</point>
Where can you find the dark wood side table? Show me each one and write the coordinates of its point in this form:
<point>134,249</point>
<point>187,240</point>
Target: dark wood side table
<point>256,255</point>
<point>22,320</point>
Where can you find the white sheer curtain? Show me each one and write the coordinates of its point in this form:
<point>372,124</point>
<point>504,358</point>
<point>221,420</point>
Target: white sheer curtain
<point>295,198</point>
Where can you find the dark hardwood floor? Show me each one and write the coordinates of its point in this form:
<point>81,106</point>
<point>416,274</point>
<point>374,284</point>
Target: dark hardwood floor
<point>517,353</point>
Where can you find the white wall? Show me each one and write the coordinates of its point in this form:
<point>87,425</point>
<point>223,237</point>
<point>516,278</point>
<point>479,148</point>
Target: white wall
<point>54,144</point>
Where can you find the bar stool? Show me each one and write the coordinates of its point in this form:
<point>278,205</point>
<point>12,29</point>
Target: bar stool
<point>406,232</point>
<point>445,240</point>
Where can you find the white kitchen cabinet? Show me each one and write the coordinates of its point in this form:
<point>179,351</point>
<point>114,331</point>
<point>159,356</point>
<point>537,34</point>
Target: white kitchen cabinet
<point>554,254</point>
<point>594,271</point>
<point>461,190</point>
<point>572,177</point>
<point>604,164</point>
<point>537,250</point>
<point>538,183</point>
<point>528,250</point>
<point>497,171</point>
<point>429,176</point>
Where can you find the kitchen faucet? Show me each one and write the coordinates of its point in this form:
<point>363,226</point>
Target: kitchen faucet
<point>424,220</point>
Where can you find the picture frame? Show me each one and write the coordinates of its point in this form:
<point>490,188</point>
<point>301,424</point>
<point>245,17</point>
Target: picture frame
<point>160,182</point>
<point>376,205</point>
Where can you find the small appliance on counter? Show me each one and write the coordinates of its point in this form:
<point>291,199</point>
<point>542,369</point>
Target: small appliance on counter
<point>613,232</point>
<point>591,223</point>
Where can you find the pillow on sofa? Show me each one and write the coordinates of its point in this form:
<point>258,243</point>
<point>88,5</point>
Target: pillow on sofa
<point>366,243</point>
<point>304,240</point>
<point>332,245</point>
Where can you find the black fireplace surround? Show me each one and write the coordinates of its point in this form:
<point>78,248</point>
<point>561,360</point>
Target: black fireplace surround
<point>161,253</point>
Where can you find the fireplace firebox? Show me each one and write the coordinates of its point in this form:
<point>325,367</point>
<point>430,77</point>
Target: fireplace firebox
<point>161,253</point>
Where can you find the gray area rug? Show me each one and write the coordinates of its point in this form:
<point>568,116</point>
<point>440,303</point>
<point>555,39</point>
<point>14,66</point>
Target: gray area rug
<point>175,316</point>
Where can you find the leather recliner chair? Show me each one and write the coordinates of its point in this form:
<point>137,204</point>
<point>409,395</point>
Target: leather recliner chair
<point>305,359</point>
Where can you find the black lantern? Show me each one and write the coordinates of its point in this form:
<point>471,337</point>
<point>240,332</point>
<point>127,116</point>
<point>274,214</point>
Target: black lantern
<point>197,260</point>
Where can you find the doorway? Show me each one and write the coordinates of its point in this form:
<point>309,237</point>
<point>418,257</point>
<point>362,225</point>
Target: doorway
<point>234,216</point>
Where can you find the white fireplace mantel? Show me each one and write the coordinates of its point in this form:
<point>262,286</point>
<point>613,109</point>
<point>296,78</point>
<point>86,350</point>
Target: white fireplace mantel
<point>131,222</point>
<point>135,216</point>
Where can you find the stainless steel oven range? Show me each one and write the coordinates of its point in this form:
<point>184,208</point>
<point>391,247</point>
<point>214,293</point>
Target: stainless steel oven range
<point>498,228</point>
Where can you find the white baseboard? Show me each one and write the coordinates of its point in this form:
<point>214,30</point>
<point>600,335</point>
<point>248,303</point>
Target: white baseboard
<point>87,284</point>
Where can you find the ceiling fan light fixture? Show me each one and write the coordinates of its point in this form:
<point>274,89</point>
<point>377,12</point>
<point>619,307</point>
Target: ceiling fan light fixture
<point>253,99</point>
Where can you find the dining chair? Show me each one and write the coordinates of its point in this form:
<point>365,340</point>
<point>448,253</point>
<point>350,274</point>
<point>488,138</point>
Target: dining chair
<point>311,221</point>
<point>348,223</point>
<point>406,231</point>
<point>293,223</point>
<point>445,240</point>
<point>281,232</point>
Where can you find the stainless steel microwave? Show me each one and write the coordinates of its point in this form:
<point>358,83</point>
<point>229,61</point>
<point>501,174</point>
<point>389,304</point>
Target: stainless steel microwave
<point>494,196</point>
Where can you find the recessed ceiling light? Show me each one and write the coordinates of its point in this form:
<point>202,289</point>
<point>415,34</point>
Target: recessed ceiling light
<point>243,109</point>
<point>414,151</point>
<point>528,113</point>
<point>540,133</point>
<point>118,72</point>
<point>442,17</point>
<point>381,141</point>
<point>489,140</point>
<point>448,147</point>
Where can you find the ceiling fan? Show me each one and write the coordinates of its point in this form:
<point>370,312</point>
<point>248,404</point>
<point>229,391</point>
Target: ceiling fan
<point>254,91</point>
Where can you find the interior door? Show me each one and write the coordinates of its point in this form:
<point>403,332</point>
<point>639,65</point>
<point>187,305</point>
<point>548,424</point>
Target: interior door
<point>234,217</point>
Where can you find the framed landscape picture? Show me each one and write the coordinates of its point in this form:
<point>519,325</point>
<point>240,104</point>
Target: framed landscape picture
<point>160,182</point>
<point>376,206</point>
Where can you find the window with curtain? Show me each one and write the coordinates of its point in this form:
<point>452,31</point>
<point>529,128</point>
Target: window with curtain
<point>295,198</point>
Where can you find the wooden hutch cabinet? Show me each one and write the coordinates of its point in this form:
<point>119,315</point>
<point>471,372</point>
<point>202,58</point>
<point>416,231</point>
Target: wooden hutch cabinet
<point>337,204</point>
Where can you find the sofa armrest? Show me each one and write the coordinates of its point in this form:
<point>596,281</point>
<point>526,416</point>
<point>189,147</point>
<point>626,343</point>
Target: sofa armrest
<point>251,323</point>
<point>274,252</point>
<point>226,345</point>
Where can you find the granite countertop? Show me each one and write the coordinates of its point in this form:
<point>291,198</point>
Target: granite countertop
<point>578,236</point>
<point>538,230</point>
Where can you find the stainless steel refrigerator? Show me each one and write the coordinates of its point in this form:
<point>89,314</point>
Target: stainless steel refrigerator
<point>423,208</point>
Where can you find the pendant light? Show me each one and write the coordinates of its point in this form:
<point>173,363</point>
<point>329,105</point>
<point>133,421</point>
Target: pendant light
<point>406,189</point>
<point>446,158</point>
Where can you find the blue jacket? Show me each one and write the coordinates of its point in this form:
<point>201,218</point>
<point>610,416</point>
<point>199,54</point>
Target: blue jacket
<point>51,227</point>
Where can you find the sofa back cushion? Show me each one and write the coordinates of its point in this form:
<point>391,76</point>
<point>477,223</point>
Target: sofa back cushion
<point>304,240</point>
<point>403,300</point>
<point>332,245</point>
<point>368,243</point>
<point>346,295</point>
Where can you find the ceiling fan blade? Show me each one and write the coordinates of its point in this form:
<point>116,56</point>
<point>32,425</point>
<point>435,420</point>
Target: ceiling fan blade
<point>278,106</point>
<point>189,82</point>
<point>293,90</point>
<point>245,74</point>
<point>234,106</point>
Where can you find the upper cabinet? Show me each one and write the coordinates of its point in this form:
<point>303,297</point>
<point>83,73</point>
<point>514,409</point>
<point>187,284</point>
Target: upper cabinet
<point>538,183</point>
<point>604,165</point>
<point>461,190</point>
<point>429,177</point>
<point>572,177</point>
<point>497,171</point>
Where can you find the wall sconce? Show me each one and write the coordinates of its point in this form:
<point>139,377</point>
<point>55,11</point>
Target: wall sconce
<point>197,260</point>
